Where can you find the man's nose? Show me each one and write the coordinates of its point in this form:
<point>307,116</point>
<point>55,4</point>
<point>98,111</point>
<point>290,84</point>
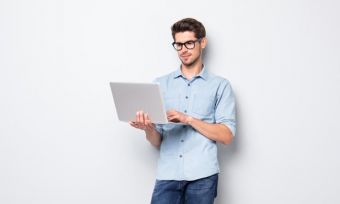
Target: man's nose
<point>184,50</point>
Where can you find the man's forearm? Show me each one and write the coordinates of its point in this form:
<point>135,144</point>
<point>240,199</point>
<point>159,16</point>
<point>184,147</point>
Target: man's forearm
<point>217,132</point>
<point>153,137</point>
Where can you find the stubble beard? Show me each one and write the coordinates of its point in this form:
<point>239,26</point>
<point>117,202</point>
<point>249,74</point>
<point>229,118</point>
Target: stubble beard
<point>189,64</point>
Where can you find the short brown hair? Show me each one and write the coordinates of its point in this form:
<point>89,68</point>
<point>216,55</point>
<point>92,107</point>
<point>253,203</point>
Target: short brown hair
<point>188,24</point>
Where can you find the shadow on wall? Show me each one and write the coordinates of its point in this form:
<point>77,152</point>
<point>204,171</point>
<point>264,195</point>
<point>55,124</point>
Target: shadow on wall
<point>205,54</point>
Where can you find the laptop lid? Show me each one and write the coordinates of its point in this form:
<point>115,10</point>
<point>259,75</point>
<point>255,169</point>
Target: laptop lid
<point>132,97</point>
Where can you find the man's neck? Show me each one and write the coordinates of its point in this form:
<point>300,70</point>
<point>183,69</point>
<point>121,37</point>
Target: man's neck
<point>190,71</point>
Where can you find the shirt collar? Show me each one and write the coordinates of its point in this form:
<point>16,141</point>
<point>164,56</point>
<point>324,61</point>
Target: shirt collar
<point>178,73</point>
<point>203,74</point>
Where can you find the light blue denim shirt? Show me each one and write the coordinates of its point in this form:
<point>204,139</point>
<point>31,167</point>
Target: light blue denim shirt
<point>185,154</point>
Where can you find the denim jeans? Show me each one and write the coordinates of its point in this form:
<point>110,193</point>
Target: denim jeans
<point>201,191</point>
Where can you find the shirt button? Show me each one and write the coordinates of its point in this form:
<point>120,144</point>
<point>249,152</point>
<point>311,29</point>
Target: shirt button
<point>183,126</point>
<point>186,97</point>
<point>180,156</point>
<point>185,111</point>
<point>182,140</point>
<point>188,84</point>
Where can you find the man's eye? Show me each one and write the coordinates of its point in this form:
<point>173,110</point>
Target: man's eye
<point>189,43</point>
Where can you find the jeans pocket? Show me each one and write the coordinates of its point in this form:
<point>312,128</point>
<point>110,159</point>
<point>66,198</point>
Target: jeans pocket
<point>205,183</point>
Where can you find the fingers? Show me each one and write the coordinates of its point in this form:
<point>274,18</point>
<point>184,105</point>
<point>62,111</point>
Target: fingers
<point>142,121</point>
<point>148,122</point>
<point>175,116</point>
<point>146,119</point>
<point>137,122</point>
<point>171,114</point>
<point>140,115</point>
<point>133,124</point>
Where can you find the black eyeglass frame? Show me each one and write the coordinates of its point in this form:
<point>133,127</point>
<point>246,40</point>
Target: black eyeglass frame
<point>186,44</point>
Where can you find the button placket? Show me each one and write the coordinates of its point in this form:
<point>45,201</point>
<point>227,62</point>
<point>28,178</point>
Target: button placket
<point>186,96</point>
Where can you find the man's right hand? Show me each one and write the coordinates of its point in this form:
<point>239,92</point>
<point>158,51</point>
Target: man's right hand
<point>143,122</point>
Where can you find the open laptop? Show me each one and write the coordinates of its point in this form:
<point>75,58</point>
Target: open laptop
<point>132,97</point>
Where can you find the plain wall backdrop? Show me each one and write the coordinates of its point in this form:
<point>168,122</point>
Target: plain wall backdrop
<point>60,141</point>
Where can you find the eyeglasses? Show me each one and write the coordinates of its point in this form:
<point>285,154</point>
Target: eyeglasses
<point>188,44</point>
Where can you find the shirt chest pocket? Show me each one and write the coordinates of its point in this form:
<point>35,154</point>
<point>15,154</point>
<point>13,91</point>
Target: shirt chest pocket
<point>203,104</point>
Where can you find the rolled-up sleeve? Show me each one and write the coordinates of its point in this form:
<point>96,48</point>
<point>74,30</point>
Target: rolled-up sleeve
<point>225,109</point>
<point>159,129</point>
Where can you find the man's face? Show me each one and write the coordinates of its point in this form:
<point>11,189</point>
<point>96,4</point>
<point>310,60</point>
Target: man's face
<point>189,56</point>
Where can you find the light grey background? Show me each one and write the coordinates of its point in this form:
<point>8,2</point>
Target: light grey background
<point>60,141</point>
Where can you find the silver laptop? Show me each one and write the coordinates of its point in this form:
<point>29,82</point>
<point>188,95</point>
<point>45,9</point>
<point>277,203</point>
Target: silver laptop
<point>132,97</point>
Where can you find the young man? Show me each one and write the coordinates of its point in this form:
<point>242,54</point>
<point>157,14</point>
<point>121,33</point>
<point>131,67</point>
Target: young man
<point>188,167</point>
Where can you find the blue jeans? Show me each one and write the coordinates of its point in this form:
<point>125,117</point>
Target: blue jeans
<point>201,191</point>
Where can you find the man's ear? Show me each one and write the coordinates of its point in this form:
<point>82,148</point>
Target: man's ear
<point>204,42</point>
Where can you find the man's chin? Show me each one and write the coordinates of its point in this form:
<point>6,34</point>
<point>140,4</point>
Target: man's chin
<point>188,63</point>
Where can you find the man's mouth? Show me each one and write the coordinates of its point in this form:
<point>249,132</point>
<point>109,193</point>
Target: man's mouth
<point>185,56</point>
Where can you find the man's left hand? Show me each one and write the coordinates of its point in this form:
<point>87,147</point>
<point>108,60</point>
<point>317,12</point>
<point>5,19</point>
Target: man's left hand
<point>176,117</point>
